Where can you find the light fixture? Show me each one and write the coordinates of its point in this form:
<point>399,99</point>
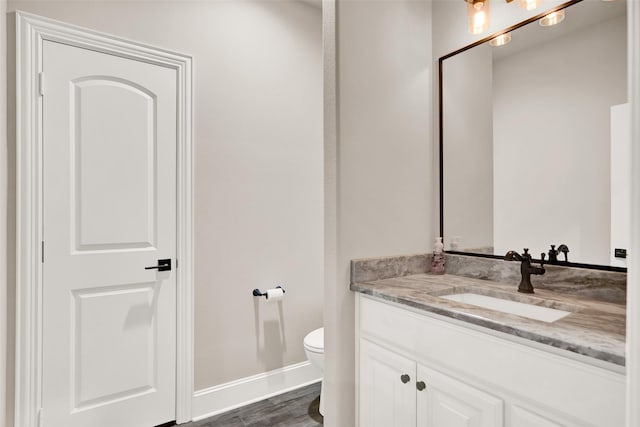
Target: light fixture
<point>500,40</point>
<point>478,12</point>
<point>552,18</point>
<point>530,4</point>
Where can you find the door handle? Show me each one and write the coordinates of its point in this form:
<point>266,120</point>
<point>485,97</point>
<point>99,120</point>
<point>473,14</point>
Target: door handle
<point>163,265</point>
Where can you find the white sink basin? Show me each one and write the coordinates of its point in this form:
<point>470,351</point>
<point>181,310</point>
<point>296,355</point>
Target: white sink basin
<point>536,312</point>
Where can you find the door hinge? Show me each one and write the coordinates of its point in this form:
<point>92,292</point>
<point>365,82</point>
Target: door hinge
<point>41,83</point>
<point>39,420</point>
<point>42,251</point>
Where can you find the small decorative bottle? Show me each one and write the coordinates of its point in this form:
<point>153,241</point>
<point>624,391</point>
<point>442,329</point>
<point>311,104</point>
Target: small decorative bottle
<point>437,261</point>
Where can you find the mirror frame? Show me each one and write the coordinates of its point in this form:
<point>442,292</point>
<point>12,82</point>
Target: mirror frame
<point>441,138</point>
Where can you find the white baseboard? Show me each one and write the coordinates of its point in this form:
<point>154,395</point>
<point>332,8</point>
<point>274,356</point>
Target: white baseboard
<point>231,395</point>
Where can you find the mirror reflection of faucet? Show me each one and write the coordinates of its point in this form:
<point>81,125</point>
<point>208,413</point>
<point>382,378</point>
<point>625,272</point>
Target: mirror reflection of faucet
<point>553,253</point>
<point>526,269</point>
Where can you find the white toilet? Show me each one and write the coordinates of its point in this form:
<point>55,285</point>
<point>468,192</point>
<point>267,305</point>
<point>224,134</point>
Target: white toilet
<point>314,348</point>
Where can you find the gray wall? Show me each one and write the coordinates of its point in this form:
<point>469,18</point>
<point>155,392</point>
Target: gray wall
<point>383,175</point>
<point>258,159</point>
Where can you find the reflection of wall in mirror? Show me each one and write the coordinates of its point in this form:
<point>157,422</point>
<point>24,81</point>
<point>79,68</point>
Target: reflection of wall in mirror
<point>620,181</point>
<point>468,152</point>
<point>551,154</point>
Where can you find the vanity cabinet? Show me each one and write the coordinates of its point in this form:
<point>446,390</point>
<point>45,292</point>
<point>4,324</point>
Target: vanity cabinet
<point>472,377</point>
<point>398,391</point>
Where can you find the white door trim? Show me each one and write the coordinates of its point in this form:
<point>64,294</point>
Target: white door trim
<point>633,278</point>
<point>31,30</point>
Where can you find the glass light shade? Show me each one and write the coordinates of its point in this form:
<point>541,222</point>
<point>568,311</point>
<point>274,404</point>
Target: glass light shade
<point>478,12</point>
<point>500,40</point>
<point>530,4</point>
<point>552,19</point>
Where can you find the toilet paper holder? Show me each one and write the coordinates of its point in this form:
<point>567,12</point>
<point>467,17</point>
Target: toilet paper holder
<point>258,293</point>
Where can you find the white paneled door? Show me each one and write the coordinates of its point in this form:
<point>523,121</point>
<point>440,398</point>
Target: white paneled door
<point>109,180</point>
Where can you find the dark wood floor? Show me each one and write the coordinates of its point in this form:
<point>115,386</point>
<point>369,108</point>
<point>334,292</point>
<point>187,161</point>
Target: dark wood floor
<point>298,408</point>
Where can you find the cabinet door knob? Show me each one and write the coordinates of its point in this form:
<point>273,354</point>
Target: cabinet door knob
<point>420,385</point>
<point>405,378</point>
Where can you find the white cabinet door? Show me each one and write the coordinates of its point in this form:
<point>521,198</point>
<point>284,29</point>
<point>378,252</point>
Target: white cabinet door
<point>387,388</point>
<point>447,402</point>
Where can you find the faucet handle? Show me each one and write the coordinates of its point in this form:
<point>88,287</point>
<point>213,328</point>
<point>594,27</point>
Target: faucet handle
<point>565,250</point>
<point>511,255</point>
<point>542,256</point>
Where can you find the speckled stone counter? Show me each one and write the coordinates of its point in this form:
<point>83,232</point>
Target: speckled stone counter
<point>595,327</point>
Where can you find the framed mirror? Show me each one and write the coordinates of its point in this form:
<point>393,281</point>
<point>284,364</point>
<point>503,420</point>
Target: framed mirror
<point>534,139</point>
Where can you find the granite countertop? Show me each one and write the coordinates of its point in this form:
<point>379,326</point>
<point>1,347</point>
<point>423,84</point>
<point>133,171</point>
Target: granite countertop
<point>595,328</point>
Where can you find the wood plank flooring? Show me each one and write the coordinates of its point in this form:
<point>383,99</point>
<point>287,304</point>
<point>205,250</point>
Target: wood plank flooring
<point>298,408</point>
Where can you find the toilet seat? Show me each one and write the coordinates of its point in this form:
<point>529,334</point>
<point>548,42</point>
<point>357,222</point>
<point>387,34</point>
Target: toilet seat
<point>314,341</point>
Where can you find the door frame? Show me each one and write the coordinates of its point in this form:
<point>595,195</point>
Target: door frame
<point>633,278</point>
<point>31,31</point>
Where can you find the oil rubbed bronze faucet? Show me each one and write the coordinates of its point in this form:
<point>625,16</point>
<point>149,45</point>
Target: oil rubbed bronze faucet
<point>526,269</point>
